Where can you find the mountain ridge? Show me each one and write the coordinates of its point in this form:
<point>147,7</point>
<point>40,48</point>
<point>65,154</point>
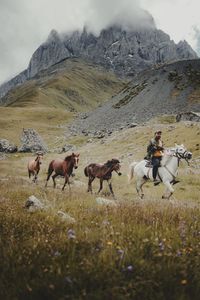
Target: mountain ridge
<point>125,52</point>
<point>167,89</point>
<point>72,84</point>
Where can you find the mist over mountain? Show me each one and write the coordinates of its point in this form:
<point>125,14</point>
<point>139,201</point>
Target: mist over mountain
<point>125,48</point>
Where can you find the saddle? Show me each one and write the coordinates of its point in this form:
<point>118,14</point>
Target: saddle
<point>149,164</point>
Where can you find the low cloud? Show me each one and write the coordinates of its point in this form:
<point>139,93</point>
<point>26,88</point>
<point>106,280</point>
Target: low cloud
<point>196,36</point>
<point>26,24</point>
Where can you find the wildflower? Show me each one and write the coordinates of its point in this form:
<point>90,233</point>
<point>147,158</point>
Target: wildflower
<point>130,268</point>
<point>29,288</point>
<point>71,234</point>
<point>184,281</point>
<point>68,280</point>
<point>57,253</point>
<point>51,286</point>
<point>146,240</point>
<point>105,223</point>
<point>178,253</point>
<point>109,243</point>
<point>162,246</point>
<point>120,252</point>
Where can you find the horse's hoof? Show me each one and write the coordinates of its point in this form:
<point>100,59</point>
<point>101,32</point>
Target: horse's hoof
<point>119,173</point>
<point>164,197</point>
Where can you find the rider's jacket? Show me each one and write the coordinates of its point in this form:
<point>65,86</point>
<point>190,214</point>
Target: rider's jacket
<point>155,148</point>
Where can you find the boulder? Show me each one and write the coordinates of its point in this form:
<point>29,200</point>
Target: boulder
<point>7,147</point>
<point>32,141</point>
<point>66,217</point>
<point>32,204</point>
<point>106,202</point>
<point>67,148</point>
<point>188,116</point>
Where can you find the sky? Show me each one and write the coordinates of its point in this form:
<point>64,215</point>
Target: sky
<point>26,24</point>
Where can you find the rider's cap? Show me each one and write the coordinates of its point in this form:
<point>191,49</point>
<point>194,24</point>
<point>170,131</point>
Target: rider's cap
<point>158,131</point>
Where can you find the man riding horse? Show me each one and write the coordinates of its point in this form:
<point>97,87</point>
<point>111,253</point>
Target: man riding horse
<point>155,153</point>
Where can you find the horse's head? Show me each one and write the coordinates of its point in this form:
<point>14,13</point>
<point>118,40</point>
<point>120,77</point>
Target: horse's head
<point>181,152</point>
<point>75,159</point>
<point>39,157</point>
<point>114,164</point>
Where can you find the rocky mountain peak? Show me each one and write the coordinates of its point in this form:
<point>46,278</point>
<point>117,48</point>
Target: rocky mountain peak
<point>53,36</point>
<point>124,47</point>
<point>185,50</point>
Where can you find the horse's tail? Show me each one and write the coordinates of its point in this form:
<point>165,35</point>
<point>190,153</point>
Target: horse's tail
<point>131,172</point>
<point>86,171</point>
<point>50,169</point>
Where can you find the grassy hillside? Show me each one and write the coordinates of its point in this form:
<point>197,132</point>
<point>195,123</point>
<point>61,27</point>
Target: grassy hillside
<point>49,101</point>
<point>47,121</point>
<point>73,85</point>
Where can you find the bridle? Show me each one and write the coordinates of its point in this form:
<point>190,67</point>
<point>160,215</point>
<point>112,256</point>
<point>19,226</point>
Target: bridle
<point>111,168</point>
<point>179,156</point>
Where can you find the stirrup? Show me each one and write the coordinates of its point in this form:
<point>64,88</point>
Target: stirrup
<point>156,182</point>
<point>174,181</point>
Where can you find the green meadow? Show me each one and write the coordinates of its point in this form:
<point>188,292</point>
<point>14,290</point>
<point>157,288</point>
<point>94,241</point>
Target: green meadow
<point>133,249</point>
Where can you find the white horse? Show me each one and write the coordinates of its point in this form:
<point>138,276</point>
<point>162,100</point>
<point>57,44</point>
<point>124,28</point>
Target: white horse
<point>166,172</point>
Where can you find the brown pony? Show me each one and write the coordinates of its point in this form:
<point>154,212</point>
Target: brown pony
<point>63,168</point>
<point>103,172</point>
<point>34,166</point>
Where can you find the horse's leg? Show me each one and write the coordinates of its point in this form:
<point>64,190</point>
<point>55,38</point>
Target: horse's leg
<point>139,184</point>
<point>48,176</point>
<point>168,188</point>
<point>110,187</point>
<point>54,182</point>
<point>90,184</point>
<point>101,185</point>
<point>66,181</point>
<point>36,176</point>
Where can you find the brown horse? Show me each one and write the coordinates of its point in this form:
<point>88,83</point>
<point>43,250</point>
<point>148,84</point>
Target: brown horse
<point>34,166</point>
<point>63,168</point>
<point>103,172</point>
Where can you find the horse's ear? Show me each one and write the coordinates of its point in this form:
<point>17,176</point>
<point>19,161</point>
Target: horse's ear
<point>72,153</point>
<point>78,154</point>
<point>176,145</point>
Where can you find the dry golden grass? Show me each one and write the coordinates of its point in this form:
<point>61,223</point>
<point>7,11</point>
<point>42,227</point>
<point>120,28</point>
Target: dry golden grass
<point>77,86</point>
<point>136,250</point>
<point>47,121</point>
<point>128,145</point>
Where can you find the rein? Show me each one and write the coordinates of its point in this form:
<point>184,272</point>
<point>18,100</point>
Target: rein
<point>179,157</point>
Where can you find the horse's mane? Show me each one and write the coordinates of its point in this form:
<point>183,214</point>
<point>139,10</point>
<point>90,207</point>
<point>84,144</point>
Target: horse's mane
<point>68,158</point>
<point>111,162</point>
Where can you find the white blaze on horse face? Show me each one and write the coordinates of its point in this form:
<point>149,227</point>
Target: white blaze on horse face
<point>40,158</point>
<point>76,160</point>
